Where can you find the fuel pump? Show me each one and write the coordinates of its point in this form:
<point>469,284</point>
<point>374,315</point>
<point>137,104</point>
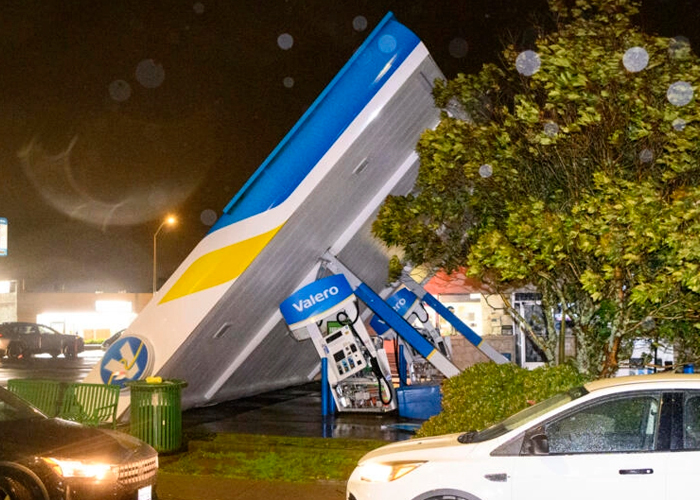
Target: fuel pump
<point>327,312</point>
<point>407,304</point>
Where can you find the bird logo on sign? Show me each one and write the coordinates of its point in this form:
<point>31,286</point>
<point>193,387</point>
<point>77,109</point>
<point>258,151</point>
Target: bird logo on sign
<point>127,360</point>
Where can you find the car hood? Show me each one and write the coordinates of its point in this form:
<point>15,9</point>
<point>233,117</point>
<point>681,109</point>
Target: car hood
<point>422,448</point>
<point>62,439</point>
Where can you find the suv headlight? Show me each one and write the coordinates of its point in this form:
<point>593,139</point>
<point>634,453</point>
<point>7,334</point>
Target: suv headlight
<point>385,472</point>
<point>78,468</point>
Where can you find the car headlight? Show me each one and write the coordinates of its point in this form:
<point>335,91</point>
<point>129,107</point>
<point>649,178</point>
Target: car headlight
<point>78,468</point>
<point>385,472</point>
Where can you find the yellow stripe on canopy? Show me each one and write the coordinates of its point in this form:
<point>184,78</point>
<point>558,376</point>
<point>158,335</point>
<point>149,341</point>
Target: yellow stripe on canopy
<point>219,266</point>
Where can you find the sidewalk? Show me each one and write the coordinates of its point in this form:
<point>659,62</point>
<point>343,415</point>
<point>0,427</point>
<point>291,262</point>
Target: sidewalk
<point>183,487</point>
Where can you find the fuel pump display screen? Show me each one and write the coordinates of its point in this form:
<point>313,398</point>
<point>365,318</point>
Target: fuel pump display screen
<point>332,338</point>
<point>347,358</point>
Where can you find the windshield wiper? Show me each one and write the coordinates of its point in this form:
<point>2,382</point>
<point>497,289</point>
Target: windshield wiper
<point>467,437</point>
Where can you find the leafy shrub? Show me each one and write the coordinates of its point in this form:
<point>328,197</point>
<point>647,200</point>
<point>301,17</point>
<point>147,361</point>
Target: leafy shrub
<point>487,393</point>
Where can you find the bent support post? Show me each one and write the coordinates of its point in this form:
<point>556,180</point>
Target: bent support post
<point>405,330</point>
<point>451,318</point>
<point>403,375</point>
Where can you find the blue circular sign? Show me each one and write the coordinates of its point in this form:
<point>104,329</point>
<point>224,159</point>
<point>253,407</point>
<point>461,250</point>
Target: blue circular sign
<point>401,302</point>
<point>130,358</point>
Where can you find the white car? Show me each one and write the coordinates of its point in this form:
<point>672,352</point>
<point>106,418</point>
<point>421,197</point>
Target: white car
<point>629,437</point>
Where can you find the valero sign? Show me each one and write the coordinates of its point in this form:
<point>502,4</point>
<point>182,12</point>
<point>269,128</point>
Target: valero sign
<point>315,299</point>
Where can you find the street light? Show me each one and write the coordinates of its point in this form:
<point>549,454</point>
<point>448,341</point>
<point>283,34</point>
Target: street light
<point>170,220</point>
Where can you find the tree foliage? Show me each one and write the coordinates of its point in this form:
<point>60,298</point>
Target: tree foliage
<point>577,173</point>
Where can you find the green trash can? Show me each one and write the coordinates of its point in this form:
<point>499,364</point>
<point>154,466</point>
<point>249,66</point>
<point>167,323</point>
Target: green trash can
<point>156,413</point>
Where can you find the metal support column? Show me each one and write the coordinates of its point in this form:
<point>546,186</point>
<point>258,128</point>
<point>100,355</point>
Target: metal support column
<point>451,318</point>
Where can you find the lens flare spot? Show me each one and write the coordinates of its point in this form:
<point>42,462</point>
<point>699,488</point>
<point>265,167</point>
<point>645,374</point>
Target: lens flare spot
<point>551,129</point>
<point>528,63</point>
<point>486,170</point>
<point>359,23</point>
<point>208,217</point>
<point>387,44</point>
<point>119,90</point>
<point>635,59</point>
<point>680,93</point>
<point>150,74</point>
<point>458,48</point>
<point>285,41</point>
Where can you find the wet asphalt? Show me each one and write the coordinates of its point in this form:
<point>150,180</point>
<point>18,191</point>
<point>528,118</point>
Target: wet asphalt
<point>294,411</point>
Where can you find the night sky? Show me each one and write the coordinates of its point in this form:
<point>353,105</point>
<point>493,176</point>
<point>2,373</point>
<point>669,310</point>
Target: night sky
<point>116,113</point>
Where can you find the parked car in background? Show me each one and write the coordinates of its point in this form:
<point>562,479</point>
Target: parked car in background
<point>45,458</point>
<point>628,437</point>
<point>20,340</point>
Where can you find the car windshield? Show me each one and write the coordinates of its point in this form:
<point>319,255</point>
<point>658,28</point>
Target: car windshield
<point>13,408</point>
<point>523,416</point>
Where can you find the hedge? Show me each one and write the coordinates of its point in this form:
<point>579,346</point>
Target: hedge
<point>487,393</point>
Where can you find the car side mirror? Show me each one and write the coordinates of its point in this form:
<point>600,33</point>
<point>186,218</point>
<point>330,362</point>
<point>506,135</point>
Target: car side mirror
<point>539,445</point>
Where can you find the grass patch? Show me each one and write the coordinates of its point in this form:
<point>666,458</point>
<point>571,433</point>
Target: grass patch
<point>271,458</point>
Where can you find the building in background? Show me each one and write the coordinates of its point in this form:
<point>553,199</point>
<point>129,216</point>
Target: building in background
<point>485,313</point>
<point>93,316</point>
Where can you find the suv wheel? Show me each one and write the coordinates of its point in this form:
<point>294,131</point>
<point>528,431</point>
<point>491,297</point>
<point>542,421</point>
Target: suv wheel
<point>15,350</point>
<point>69,351</point>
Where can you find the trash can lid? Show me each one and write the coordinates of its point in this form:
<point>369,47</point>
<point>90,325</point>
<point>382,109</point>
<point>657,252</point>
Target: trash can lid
<point>141,384</point>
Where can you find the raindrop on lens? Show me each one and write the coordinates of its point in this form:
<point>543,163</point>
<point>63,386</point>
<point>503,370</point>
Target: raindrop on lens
<point>455,109</point>
<point>646,156</point>
<point>458,48</point>
<point>150,74</point>
<point>359,23</point>
<point>679,48</point>
<point>208,217</point>
<point>198,8</point>
<point>635,59</point>
<point>387,44</point>
<point>679,124</point>
<point>119,90</point>
<point>285,41</point>
<point>288,82</point>
<point>551,129</point>
<point>528,63</point>
<point>680,93</point>
<point>485,170</point>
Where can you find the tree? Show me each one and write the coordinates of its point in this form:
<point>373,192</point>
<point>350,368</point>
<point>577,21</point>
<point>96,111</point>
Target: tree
<point>572,166</point>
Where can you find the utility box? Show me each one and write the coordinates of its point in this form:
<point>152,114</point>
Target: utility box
<point>419,401</point>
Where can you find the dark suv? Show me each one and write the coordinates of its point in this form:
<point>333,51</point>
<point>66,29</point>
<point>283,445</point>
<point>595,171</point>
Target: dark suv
<point>21,340</point>
<point>52,459</point>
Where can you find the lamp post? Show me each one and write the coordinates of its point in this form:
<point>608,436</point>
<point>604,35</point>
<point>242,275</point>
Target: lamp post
<point>170,220</point>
